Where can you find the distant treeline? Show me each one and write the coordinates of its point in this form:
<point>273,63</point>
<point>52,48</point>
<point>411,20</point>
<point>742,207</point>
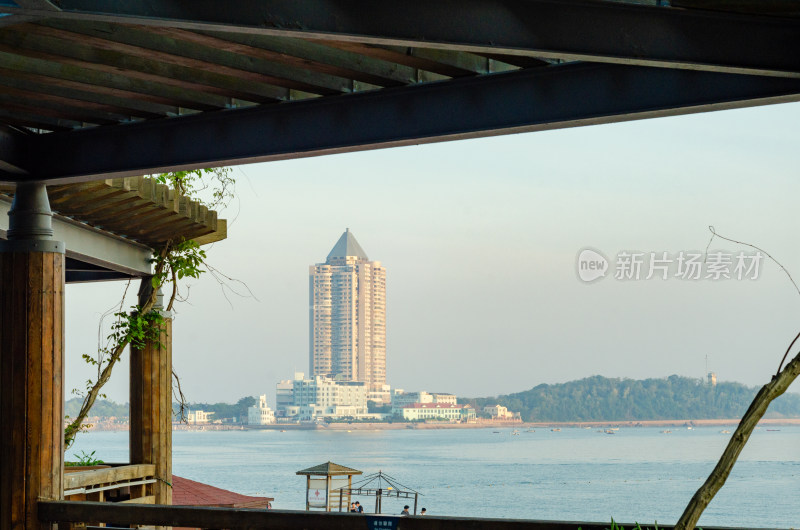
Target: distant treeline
<point>599,398</point>
<point>105,408</point>
<point>101,407</point>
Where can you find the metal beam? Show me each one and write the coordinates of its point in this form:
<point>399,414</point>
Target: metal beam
<point>566,29</point>
<point>109,257</point>
<point>11,151</point>
<point>529,100</point>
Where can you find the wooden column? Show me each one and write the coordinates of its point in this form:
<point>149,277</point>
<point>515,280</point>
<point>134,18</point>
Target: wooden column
<point>31,365</point>
<point>151,408</point>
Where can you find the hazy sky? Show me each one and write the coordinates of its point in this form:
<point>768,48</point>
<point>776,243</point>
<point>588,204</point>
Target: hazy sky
<point>480,240</point>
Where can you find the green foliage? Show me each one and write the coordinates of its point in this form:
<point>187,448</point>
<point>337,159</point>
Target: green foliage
<point>215,187</point>
<point>599,398</point>
<point>135,328</point>
<point>85,459</point>
<point>184,259</point>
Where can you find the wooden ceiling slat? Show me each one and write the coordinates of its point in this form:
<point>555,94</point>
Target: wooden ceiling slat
<point>89,108</point>
<point>80,91</point>
<point>114,104</point>
<point>11,59</point>
<point>24,119</point>
<point>44,108</point>
<point>138,208</point>
<point>188,54</point>
<point>305,54</point>
<point>137,62</point>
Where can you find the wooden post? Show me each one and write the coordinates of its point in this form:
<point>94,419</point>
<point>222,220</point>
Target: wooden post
<point>31,362</point>
<point>151,405</point>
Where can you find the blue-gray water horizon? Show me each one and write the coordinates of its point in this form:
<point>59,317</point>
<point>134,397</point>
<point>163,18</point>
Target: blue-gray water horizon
<point>636,474</point>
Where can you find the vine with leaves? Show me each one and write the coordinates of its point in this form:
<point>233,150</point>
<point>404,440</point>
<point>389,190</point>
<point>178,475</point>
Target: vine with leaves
<point>141,325</point>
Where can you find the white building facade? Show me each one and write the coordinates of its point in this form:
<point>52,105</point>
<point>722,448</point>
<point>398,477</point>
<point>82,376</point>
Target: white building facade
<point>321,397</point>
<point>438,411</point>
<point>347,318</point>
<point>260,413</point>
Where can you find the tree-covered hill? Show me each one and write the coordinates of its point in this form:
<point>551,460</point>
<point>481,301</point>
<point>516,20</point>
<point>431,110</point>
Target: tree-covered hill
<point>600,398</point>
<point>102,408</point>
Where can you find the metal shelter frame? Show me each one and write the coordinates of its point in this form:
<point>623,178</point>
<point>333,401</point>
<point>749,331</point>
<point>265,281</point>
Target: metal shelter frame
<point>373,486</point>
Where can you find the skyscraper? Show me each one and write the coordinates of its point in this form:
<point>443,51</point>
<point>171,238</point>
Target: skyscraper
<point>347,317</point>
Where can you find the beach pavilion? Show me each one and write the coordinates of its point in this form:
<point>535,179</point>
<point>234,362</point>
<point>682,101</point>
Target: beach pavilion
<point>92,90</point>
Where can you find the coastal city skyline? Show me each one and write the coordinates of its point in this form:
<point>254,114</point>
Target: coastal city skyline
<point>481,239</point>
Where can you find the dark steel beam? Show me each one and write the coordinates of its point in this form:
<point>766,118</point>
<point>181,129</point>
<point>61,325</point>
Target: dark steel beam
<point>11,151</point>
<point>566,29</point>
<point>529,100</point>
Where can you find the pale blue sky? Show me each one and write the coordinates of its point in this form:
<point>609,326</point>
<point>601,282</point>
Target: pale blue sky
<point>480,238</point>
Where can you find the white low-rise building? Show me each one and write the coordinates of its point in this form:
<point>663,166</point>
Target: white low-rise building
<point>198,417</point>
<point>438,411</point>
<point>499,412</point>
<point>322,397</point>
<point>401,399</point>
<point>260,413</point>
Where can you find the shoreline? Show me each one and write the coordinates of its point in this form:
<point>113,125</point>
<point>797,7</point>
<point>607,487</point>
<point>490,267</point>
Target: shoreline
<point>768,422</point>
<point>497,425</point>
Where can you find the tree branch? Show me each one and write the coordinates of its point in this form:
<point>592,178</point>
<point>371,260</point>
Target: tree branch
<point>719,475</point>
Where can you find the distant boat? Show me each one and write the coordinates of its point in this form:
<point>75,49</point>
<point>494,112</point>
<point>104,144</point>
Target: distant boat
<point>773,430</point>
<point>531,430</point>
<point>725,431</point>
<point>495,432</point>
<point>556,430</point>
<point>666,431</point>
<point>689,428</point>
<point>609,431</point>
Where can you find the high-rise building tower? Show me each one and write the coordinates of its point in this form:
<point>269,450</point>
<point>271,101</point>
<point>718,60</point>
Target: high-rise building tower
<point>347,317</point>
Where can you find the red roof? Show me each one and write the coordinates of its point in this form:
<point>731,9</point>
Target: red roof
<point>187,492</point>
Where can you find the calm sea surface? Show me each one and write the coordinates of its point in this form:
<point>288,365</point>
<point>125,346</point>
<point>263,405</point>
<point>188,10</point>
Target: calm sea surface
<point>637,474</point>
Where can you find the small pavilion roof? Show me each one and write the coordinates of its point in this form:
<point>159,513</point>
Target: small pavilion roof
<point>329,469</point>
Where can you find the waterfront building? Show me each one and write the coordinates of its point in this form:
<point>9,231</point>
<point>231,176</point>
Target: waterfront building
<point>347,318</point>
<point>198,417</point>
<point>438,411</point>
<point>401,399</point>
<point>712,379</point>
<point>260,413</point>
<point>283,394</point>
<point>323,397</point>
<point>499,412</point>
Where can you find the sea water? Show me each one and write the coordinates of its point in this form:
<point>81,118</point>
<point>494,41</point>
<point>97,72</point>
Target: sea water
<point>636,474</point>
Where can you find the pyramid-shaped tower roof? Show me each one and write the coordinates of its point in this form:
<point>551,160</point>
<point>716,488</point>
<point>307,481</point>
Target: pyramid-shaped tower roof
<point>347,246</point>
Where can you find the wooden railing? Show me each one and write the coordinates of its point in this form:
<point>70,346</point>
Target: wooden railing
<point>242,518</point>
<point>127,483</point>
